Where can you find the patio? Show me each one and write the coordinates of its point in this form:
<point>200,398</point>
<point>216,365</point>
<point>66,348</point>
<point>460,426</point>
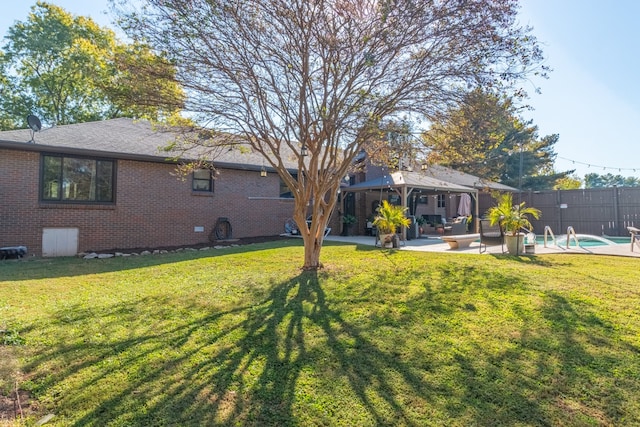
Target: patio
<point>436,244</point>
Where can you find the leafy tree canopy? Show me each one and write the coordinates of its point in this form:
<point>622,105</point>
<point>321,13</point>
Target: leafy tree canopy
<point>313,80</point>
<point>67,69</point>
<point>485,136</point>
<point>568,183</point>
<point>594,180</point>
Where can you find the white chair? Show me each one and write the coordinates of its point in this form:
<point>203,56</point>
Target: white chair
<point>635,236</point>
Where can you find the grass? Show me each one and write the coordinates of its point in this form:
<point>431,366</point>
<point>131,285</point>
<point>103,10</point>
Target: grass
<point>243,337</point>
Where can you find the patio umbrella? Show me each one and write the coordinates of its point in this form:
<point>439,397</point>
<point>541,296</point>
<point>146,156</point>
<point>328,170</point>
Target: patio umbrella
<point>464,207</point>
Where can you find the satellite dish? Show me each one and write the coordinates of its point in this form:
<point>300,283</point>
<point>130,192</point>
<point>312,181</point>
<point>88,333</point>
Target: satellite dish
<point>34,123</point>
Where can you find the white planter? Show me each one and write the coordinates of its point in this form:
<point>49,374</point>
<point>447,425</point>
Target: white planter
<point>515,244</point>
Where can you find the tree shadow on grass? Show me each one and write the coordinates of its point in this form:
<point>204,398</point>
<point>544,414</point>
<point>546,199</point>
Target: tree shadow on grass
<point>203,373</point>
<point>46,268</point>
<point>294,356</point>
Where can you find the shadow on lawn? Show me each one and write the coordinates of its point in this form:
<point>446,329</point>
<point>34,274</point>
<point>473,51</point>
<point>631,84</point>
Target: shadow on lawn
<point>45,268</point>
<point>290,357</point>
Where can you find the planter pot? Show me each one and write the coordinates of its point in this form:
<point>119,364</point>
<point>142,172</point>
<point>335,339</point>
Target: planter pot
<point>348,230</point>
<point>386,240</point>
<point>515,244</point>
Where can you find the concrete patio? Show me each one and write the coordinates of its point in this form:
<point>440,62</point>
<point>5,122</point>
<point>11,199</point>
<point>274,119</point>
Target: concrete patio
<point>436,244</point>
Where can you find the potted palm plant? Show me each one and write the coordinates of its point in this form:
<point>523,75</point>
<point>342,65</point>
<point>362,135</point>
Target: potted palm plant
<point>513,219</point>
<point>388,219</point>
<point>421,222</point>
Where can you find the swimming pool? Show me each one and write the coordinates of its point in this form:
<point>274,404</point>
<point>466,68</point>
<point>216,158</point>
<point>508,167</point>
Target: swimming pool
<point>585,240</point>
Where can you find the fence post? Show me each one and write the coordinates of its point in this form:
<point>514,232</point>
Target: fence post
<point>616,210</point>
<point>559,210</point>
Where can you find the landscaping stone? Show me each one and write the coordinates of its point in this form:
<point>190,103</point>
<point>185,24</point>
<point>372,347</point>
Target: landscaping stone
<point>95,255</point>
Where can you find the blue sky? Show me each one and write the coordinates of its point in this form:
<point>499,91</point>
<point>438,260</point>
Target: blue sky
<point>591,99</point>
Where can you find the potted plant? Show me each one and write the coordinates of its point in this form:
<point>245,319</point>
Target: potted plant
<point>348,221</point>
<point>421,222</point>
<point>388,220</point>
<point>512,218</point>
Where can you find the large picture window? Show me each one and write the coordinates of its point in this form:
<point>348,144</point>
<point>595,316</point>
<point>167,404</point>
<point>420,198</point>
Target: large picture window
<point>77,179</point>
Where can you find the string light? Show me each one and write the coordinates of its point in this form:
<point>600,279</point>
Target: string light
<point>604,168</point>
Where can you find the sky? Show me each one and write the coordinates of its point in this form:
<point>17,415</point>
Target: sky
<point>591,98</point>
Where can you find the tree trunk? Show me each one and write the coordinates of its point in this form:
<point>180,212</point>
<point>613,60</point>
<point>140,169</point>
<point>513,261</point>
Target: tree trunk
<point>313,234</point>
<point>312,247</point>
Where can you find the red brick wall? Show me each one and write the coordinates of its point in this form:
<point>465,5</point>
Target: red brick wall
<point>153,207</point>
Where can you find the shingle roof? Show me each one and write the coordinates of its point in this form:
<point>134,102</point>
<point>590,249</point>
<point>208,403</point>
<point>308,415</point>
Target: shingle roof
<point>410,179</point>
<point>450,175</point>
<point>119,138</point>
<point>123,136</point>
<point>139,139</point>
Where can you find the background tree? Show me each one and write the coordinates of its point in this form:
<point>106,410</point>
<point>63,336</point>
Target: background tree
<point>568,183</point>
<point>394,146</point>
<point>67,69</point>
<point>484,136</point>
<point>313,79</point>
<point>594,180</point>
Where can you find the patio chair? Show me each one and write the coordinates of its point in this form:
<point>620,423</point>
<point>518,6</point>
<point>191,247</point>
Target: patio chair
<point>458,226</point>
<point>635,236</point>
<point>490,235</point>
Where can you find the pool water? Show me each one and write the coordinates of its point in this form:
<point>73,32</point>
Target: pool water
<point>585,240</point>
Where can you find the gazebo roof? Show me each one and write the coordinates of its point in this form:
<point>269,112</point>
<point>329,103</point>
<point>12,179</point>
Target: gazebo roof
<point>462,178</point>
<point>410,180</point>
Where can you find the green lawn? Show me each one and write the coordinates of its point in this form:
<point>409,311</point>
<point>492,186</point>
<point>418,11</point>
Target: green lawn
<point>242,337</point>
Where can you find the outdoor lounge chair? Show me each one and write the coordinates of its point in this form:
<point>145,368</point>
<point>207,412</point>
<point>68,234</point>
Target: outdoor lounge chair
<point>635,236</point>
<point>458,226</point>
<point>490,235</point>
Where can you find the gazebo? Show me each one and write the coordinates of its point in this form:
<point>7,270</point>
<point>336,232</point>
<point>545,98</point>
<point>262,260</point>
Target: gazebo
<point>406,183</point>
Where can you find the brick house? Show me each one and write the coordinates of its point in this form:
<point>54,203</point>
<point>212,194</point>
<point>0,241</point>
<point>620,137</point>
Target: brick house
<point>106,185</point>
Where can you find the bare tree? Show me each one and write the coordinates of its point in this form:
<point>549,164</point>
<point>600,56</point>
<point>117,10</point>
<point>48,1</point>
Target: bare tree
<point>314,78</point>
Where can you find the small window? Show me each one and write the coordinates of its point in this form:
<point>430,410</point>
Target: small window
<point>77,179</point>
<point>442,201</point>
<point>285,193</point>
<point>202,180</point>
<point>423,199</point>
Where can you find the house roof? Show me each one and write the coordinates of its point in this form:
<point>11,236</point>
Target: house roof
<point>119,138</point>
<point>450,175</point>
<point>407,179</point>
<point>139,140</point>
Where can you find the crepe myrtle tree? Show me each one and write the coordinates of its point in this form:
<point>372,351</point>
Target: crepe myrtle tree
<point>315,78</point>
